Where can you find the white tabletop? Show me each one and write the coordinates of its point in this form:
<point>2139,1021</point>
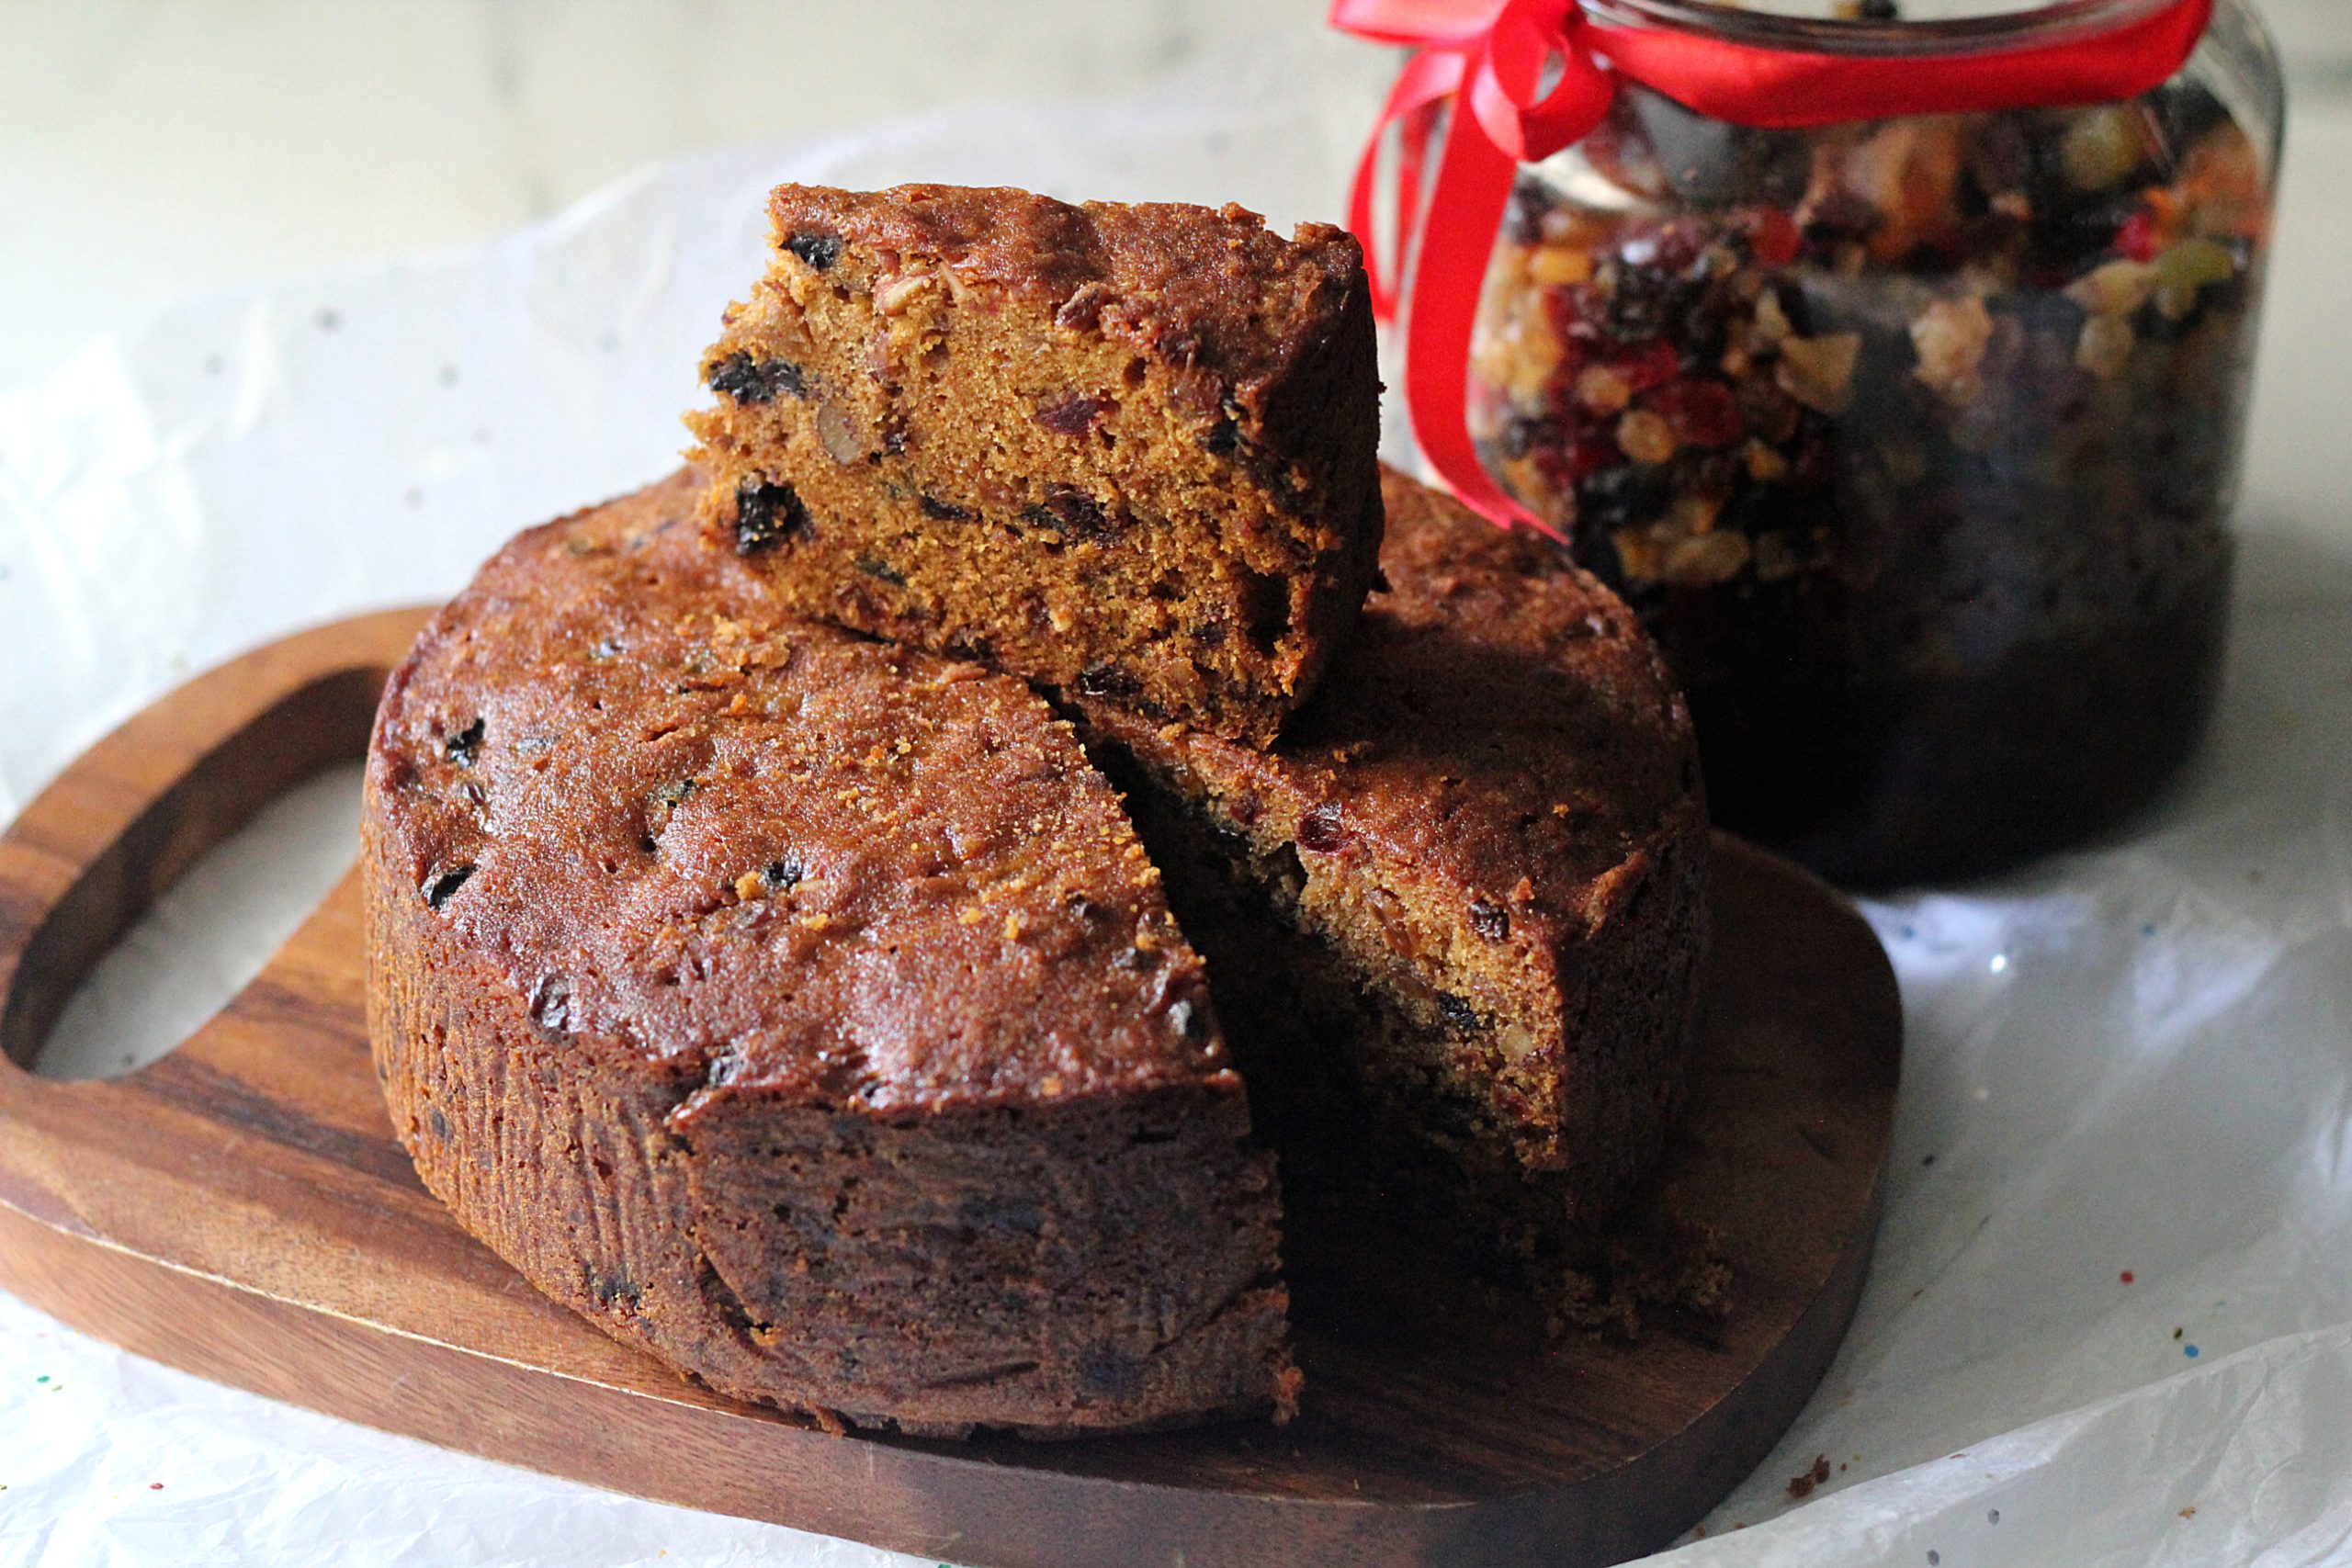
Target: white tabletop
<point>2136,1058</point>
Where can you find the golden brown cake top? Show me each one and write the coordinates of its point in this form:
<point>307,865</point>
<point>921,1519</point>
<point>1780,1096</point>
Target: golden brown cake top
<point>769,855</point>
<point>1207,287</point>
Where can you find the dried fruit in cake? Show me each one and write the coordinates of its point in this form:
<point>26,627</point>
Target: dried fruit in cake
<point>1122,451</point>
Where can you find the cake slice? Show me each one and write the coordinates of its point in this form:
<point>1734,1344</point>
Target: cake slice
<point>1455,916</point>
<point>1126,451</point>
<point>801,1008</point>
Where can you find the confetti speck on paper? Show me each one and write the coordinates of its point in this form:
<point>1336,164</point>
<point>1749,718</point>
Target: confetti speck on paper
<point>2127,1276</point>
<point>2190,1351</point>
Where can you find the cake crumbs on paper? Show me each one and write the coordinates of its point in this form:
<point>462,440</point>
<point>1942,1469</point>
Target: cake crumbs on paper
<point>1802,1486</point>
<point>2188,1513</point>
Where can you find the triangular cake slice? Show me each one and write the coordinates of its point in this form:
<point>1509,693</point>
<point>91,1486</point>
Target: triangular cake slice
<point>1456,916</point>
<point>1121,451</point>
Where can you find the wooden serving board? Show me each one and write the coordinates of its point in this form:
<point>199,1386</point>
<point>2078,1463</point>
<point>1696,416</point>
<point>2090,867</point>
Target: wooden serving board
<point>241,1209</point>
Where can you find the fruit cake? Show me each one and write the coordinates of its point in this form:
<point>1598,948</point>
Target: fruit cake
<point>1455,916</point>
<point>803,1008</point>
<point>1126,451</point>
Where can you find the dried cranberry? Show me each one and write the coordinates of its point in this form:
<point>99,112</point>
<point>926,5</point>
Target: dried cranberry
<point>1645,365</point>
<point>1082,312</point>
<point>1489,920</point>
<point>819,251</point>
<point>765,516</point>
<point>1773,237</point>
<point>749,380</point>
<point>1596,448</point>
<point>1074,413</point>
<point>1322,830</point>
<point>2137,238</point>
<point>1702,412</point>
<point>464,746</point>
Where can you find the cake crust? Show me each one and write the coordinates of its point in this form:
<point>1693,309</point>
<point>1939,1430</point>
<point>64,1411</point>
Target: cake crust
<point>801,1008</point>
<point>1121,451</point>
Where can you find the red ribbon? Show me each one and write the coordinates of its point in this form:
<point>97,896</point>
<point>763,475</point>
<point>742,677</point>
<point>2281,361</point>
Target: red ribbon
<point>1498,54</point>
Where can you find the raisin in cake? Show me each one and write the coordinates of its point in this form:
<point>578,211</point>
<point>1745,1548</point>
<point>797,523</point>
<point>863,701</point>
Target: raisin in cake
<point>1455,918</point>
<point>1124,451</point>
<point>803,1010</point>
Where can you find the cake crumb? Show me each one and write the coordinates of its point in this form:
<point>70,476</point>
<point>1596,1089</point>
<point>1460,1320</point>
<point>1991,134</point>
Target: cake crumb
<point>1802,1486</point>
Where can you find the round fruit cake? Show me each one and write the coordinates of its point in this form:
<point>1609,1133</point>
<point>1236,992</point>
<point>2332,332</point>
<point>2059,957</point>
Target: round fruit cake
<point>807,1011</point>
<point>803,1008</point>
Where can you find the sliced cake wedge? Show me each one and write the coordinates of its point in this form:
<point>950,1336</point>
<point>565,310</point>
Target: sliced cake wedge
<point>1126,451</point>
<point>1455,917</point>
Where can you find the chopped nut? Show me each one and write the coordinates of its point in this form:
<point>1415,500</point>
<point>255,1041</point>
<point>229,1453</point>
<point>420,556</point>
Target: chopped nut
<point>1637,555</point>
<point>1819,371</point>
<point>1645,437</point>
<point>1950,338</point>
<point>1693,513</point>
<point>1554,267</point>
<point>2116,289</point>
<point>1706,558</point>
<point>2102,147</point>
<point>837,428</point>
<point>893,294</point>
<point>2104,347</point>
<point>1765,464</point>
<point>1603,390</point>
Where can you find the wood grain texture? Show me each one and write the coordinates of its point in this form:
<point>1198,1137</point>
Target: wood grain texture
<point>241,1209</point>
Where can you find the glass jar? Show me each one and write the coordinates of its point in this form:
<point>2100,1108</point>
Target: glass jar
<point>1912,441</point>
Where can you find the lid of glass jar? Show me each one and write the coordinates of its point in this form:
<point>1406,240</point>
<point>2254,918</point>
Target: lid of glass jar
<point>1873,26</point>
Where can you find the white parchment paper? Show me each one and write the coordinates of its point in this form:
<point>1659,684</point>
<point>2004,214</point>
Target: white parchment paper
<point>2136,1060</point>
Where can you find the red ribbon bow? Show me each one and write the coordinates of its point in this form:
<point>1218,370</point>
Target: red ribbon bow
<point>1500,55</point>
